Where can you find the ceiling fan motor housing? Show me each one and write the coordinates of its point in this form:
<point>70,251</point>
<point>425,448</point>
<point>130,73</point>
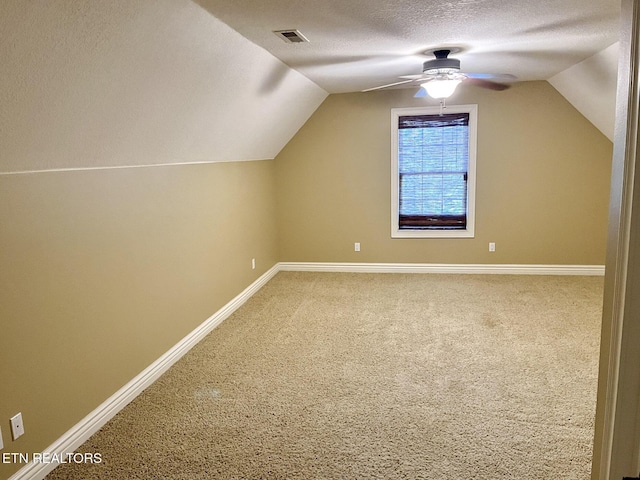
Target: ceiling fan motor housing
<point>445,65</point>
<point>441,64</point>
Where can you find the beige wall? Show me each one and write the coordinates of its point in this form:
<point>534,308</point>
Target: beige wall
<point>102,271</point>
<point>542,182</point>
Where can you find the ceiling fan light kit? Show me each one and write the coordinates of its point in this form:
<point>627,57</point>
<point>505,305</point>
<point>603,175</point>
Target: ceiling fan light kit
<point>441,88</point>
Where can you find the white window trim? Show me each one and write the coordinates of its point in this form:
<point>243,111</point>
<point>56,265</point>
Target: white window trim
<point>469,232</point>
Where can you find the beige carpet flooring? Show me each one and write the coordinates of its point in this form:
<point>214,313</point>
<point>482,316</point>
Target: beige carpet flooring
<point>374,376</point>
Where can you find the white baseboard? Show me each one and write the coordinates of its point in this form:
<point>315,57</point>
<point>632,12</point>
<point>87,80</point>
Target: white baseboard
<point>591,270</point>
<point>81,432</point>
<point>90,424</point>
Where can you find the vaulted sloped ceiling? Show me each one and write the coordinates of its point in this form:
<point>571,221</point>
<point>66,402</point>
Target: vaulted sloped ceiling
<point>101,84</point>
<point>89,84</point>
<point>360,44</point>
<point>590,86</point>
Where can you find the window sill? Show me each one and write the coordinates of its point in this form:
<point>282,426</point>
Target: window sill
<point>405,233</point>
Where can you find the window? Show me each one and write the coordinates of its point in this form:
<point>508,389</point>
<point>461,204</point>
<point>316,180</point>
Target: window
<point>433,171</point>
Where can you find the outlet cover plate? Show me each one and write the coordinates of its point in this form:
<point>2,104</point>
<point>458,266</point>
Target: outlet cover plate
<point>17,427</point>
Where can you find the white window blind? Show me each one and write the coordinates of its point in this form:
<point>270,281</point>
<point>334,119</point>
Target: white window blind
<point>433,163</point>
<point>433,171</point>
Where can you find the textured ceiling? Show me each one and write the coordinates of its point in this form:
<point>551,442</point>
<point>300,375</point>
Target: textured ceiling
<point>89,84</point>
<point>358,44</point>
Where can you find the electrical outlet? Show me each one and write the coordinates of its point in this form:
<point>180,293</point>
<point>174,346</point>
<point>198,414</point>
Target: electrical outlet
<point>492,247</point>
<point>17,427</point>
<point>356,246</point>
<point>253,263</point>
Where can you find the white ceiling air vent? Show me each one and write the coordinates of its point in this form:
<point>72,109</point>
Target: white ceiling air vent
<point>291,36</point>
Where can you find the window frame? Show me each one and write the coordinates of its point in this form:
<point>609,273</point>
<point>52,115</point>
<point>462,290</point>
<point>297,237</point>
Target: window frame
<point>469,231</point>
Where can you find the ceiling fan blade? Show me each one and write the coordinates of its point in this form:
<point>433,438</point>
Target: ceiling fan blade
<point>388,85</point>
<point>421,76</point>
<point>420,93</point>
<point>505,77</point>
<point>479,82</point>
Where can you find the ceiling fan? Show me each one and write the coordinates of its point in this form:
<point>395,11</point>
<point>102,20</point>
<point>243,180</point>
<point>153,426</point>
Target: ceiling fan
<point>441,75</point>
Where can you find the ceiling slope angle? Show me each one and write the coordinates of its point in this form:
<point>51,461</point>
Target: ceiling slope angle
<point>130,83</point>
<point>360,44</point>
<point>590,86</point>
